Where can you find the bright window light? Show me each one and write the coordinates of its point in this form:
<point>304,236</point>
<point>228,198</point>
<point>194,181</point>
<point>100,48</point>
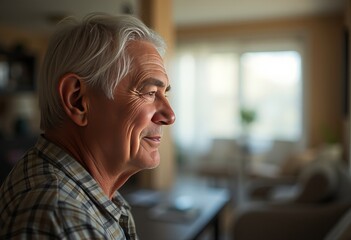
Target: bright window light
<point>211,87</point>
<point>272,86</point>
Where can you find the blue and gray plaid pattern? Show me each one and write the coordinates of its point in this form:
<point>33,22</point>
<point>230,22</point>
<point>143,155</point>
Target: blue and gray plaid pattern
<point>49,195</point>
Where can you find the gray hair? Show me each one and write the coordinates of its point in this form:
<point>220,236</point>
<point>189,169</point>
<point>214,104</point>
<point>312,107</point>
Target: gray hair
<point>95,50</point>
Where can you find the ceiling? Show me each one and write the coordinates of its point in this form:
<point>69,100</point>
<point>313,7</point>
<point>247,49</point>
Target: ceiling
<point>210,11</point>
<point>40,14</point>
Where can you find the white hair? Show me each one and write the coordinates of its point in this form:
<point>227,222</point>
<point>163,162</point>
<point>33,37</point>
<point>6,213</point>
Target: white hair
<point>95,50</point>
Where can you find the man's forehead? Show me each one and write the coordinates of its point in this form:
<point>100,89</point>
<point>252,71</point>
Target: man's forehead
<point>148,64</point>
<point>144,53</point>
<point>149,79</point>
<point>141,47</point>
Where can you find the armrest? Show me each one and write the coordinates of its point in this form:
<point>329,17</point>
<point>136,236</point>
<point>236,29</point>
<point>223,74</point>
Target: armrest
<point>276,222</point>
<point>262,188</point>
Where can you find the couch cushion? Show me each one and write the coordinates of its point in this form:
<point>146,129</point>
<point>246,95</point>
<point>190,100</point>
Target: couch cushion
<point>318,182</point>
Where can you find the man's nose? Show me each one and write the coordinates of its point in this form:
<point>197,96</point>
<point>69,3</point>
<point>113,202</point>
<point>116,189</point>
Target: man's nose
<point>164,114</point>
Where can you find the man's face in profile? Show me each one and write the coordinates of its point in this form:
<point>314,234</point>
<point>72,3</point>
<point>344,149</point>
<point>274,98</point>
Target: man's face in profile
<point>128,129</point>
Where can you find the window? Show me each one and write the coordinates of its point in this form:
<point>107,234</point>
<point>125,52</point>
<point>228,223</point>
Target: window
<point>212,85</point>
<point>271,85</point>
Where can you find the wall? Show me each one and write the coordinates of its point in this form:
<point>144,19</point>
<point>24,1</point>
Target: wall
<point>157,14</point>
<point>324,77</point>
<point>347,124</point>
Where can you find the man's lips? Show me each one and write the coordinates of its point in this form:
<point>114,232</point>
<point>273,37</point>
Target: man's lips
<point>155,139</point>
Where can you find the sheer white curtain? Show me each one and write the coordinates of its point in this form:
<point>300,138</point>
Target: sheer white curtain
<point>205,99</point>
<point>212,81</point>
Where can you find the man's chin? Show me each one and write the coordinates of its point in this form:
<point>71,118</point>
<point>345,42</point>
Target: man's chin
<point>150,161</point>
<point>154,161</point>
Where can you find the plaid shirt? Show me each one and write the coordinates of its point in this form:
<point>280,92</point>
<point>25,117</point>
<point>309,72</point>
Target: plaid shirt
<point>49,195</point>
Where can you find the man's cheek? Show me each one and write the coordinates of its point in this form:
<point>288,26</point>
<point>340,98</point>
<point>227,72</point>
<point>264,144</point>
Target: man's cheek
<point>141,116</point>
<point>134,108</point>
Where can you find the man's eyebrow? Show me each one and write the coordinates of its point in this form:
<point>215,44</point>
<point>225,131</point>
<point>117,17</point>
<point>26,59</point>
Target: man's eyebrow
<point>155,82</point>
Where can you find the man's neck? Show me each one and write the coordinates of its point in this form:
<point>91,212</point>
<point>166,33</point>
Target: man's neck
<point>109,181</point>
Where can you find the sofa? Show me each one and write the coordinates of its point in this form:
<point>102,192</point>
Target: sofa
<point>313,207</point>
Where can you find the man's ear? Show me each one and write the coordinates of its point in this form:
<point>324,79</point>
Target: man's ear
<point>72,91</point>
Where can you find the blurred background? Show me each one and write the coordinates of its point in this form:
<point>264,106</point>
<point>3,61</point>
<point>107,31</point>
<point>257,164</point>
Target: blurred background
<point>260,89</point>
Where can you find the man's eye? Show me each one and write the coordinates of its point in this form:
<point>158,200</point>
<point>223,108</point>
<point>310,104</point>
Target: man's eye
<point>151,94</point>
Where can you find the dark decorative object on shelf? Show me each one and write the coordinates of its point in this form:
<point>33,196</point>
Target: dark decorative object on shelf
<point>17,70</point>
<point>21,127</point>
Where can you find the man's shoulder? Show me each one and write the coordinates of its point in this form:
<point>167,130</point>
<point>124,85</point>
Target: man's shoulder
<point>31,183</point>
<point>38,195</point>
<point>35,180</point>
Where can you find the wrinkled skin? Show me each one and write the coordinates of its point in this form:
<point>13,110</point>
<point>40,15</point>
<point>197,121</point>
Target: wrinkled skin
<point>128,129</point>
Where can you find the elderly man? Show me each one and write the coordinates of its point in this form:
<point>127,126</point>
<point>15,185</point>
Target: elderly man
<point>102,95</point>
